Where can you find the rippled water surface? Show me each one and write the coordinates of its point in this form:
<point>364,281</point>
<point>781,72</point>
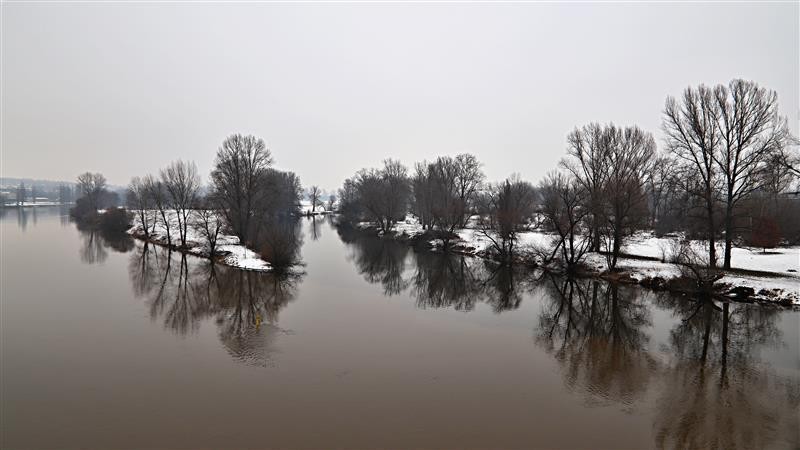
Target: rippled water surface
<point>107,343</point>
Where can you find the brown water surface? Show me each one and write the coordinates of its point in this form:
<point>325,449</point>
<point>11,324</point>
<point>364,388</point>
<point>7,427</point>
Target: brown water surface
<point>107,343</point>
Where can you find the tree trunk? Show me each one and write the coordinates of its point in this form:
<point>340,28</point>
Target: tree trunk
<point>728,236</point>
<point>615,247</point>
<point>712,243</point>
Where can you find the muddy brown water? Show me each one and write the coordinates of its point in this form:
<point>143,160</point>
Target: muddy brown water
<point>369,344</point>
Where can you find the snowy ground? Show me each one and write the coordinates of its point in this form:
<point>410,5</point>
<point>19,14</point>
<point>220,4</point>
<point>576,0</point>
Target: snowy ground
<point>780,267</point>
<point>43,203</point>
<point>305,208</point>
<point>233,253</point>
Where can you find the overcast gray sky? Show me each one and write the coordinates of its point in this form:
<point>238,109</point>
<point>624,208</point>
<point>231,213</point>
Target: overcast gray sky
<point>125,88</point>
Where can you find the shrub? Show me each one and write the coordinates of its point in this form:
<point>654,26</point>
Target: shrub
<point>765,234</point>
<point>115,220</point>
<point>83,211</point>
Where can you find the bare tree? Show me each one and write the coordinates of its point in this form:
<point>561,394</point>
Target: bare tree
<point>691,137</point>
<point>611,163</point>
<point>331,203</point>
<point>383,194</point>
<point>790,157</point>
<point>160,199</point>
<point>149,191</point>
<point>506,209</point>
<point>209,222</point>
<point>750,133</point>
<point>776,176</point>
<point>91,186</point>
<point>313,196</point>
<point>350,207</point>
<point>140,201</point>
<point>279,194</point>
<point>662,185</point>
<point>422,199</point>
<point>444,192</point>
<point>446,207</point>
<point>181,183</point>
<point>469,177</point>
<point>564,207</point>
<point>623,204</point>
<point>240,162</point>
<point>588,161</point>
<point>397,189</point>
<point>454,182</point>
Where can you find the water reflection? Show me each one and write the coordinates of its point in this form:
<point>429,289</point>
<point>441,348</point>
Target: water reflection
<point>279,241</point>
<point>712,390</point>
<point>596,332</point>
<point>22,219</point>
<point>184,292</point>
<point>94,244</point>
<point>436,280</point>
<point>703,377</point>
<point>316,228</point>
<point>380,261</point>
<point>675,372</point>
<point>717,393</point>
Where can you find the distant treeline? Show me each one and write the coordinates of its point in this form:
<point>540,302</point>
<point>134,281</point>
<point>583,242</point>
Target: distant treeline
<point>31,192</point>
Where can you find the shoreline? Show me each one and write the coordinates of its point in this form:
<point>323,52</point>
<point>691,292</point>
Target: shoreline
<point>191,251</point>
<point>229,251</point>
<point>735,286</point>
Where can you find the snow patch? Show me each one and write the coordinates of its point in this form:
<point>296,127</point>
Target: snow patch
<point>232,252</point>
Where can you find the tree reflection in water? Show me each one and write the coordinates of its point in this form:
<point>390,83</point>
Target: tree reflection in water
<point>94,244</point>
<point>438,280</point>
<point>22,219</point>
<point>183,292</point>
<point>705,381</point>
<point>711,389</point>
<point>445,281</point>
<point>378,260</point>
<point>717,393</point>
<point>595,331</point>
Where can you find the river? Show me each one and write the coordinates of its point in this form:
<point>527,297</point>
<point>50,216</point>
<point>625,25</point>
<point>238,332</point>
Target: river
<point>107,343</point>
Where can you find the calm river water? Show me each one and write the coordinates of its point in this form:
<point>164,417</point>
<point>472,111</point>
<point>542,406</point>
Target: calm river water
<point>369,344</point>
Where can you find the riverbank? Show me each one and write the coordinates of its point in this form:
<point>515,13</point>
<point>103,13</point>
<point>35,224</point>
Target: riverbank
<point>229,251</point>
<point>766,277</point>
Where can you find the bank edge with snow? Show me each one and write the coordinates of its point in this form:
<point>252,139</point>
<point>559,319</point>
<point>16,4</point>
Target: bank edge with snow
<point>229,250</point>
<point>772,277</point>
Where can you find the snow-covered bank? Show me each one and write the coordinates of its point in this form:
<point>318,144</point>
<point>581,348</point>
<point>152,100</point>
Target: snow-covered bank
<point>307,210</point>
<point>773,276</point>
<point>29,204</point>
<point>229,250</point>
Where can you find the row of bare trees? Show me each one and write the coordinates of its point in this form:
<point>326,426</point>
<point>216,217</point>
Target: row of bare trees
<point>378,195</point>
<point>93,195</point>
<point>444,195</point>
<point>175,190</point>
<point>727,143</point>
<point>246,196</point>
<point>724,147</point>
<point>600,196</point>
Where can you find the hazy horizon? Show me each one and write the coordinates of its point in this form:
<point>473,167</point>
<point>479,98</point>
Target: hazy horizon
<point>124,89</point>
